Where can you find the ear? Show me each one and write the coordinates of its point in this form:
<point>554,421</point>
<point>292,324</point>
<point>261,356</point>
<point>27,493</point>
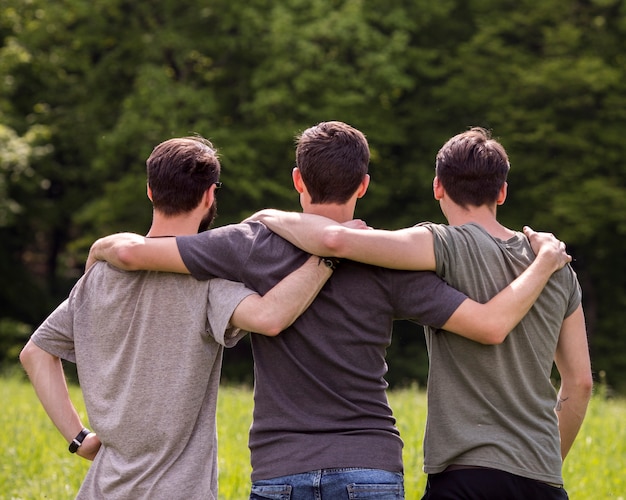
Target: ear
<point>209,196</point>
<point>363,186</point>
<point>438,190</point>
<point>298,183</point>
<point>149,191</point>
<point>502,194</point>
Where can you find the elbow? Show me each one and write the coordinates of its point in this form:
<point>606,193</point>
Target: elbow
<point>272,330</point>
<point>585,385</point>
<point>333,242</point>
<point>269,325</point>
<point>493,340</point>
<point>124,258</point>
<point>28,355</point>
<point>493,335</point>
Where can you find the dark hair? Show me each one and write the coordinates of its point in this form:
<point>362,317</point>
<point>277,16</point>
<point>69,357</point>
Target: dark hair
<point>472,167</point>
<point>333,158</point>
<point>180,171</point>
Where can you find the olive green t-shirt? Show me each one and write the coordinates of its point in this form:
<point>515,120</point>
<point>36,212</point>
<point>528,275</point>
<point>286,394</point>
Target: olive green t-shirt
<point>493,406</point>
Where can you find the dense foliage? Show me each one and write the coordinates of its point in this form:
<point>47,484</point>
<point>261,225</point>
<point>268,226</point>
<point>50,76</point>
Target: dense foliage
<point>88,88</point>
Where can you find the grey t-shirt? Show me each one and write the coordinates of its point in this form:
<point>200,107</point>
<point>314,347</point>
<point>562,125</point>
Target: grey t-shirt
<point>148,348</point>
<point>320,399</point>
<point>493,406</point>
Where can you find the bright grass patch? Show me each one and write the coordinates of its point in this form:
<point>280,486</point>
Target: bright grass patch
<point>35,463</point>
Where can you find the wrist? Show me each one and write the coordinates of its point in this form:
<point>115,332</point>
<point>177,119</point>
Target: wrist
<point>330,262</point>
<point>78,440</point>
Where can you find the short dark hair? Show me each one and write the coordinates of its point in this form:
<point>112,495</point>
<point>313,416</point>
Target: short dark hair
<point>333,158</point>
<point>472,167</point>
<point>180,171</point>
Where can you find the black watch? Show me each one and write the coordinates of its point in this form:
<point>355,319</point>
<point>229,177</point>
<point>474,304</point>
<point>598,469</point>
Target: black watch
<point>331,262</point>
<point>78,440</point>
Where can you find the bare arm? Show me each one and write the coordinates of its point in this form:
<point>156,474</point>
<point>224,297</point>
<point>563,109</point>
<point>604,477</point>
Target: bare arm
<point>574,365</point>
<point>133,252</point>
<point>281,306</point>
<point>410,248</point>
<point>491,323</point>
<point>46,374</point>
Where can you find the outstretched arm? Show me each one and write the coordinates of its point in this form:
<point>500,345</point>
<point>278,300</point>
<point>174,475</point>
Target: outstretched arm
<point>491,323</point>
<point>46,374</point>
<point>572,361</point>
<point>132,252</point>
<point>281,306</point>
<point>410,248</point>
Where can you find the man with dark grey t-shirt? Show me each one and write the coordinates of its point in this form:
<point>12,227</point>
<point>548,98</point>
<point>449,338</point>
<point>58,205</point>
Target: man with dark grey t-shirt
<point>322,426</point>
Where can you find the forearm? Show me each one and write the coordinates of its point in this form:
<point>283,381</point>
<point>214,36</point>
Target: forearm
<point>282,305</point>
<point>46,374</point>
<point>490,323</point>
<point>506,309</point>
<point>409,248</point>
<point>570,409</point>
<point>133,252</point>
<point>306,231</point>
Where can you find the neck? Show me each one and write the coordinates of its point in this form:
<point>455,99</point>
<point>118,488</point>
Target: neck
<point>173,226</point>
<point>484,216</point>
<point>339,213</point>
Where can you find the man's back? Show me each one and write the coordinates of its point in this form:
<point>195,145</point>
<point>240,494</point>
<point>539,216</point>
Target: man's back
<point>149,371</point>
<point>319,387</point>
<point>493,406</point>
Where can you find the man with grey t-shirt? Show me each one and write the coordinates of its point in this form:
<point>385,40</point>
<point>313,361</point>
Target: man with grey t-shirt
<point>148,347</point>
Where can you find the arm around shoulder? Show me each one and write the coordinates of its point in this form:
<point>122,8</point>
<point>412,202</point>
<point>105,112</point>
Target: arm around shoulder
<point>281,306</point>
<point>491,323</point>
<point>134,252</point>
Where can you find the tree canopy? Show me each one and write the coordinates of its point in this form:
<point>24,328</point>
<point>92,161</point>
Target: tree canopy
<point>87,89</point>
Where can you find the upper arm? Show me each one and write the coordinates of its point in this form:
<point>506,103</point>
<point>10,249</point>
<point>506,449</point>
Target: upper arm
<point>572,352</point>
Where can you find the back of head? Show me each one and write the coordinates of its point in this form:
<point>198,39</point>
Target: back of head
<point>333,159</point>
<point>472,168</point>
<point>180,171</point>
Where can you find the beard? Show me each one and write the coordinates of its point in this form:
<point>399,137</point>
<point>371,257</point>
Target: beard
<point>208,219</point>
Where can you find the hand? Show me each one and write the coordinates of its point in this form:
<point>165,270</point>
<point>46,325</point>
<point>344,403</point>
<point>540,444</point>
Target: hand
<point>356,224</point>
<point>547,244</point>
<point>89,448</point>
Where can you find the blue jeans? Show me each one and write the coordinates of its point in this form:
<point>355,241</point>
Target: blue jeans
<point>332,484</point>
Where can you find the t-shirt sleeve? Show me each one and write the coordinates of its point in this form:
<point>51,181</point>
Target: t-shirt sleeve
<point>218,253</point>
<point>575,297</point>
<point>224,297</point>
<point>56,334</point>
<point>424,297</point>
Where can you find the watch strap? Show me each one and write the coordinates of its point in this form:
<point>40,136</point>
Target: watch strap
<point>78,440</point>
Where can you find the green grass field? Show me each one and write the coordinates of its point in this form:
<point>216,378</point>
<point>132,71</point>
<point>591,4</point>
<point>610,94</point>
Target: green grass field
<point>35,464</point>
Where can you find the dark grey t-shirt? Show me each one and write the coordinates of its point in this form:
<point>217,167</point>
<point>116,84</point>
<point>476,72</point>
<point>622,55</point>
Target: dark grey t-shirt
<point>320,398</point>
